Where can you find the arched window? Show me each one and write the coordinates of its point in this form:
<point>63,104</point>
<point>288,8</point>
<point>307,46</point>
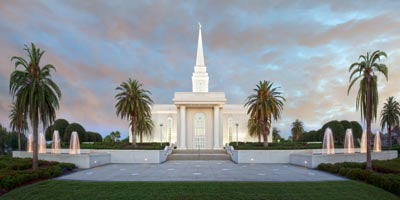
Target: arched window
<point>199,130</point>
<point>169,129</point>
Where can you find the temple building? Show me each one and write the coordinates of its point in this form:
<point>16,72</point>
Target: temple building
<point>199,119</point>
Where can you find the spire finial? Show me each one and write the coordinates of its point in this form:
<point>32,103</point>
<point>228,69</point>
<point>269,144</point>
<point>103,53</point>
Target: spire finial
<point>199,26</point>
<point>200,56</point>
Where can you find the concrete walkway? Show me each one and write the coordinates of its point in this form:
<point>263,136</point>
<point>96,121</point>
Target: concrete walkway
<point>201,170</point>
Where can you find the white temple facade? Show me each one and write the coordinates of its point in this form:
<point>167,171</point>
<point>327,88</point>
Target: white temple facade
<point>199,119</point>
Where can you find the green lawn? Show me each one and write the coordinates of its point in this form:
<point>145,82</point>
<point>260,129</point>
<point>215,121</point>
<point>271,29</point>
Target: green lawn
<point>198,190</point>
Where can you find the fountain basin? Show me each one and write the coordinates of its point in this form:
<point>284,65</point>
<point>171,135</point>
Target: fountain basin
<point>84,161</point>
<point>312,160</point>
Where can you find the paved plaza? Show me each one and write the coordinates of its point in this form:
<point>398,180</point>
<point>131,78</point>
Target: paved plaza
<point>201,170</point>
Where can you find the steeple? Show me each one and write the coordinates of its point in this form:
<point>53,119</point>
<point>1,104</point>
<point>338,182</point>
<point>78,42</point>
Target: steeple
<point>200,75</point>
<point>200,55</point>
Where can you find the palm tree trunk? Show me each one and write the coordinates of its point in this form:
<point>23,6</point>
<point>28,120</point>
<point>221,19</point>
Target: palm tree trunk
<point>369,118</point>
<point>19,140</point>
<point>35,145</point>
<point>259,138</point>
<point>265,135</point>
<point>141,137</point>
<point>133,130</point>
<point>390,136</point>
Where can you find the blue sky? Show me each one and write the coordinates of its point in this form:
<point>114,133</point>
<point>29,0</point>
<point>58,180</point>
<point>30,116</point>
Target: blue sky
<point>305,47</point>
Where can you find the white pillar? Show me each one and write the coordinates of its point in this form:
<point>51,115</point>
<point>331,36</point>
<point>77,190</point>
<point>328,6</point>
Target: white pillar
<point>182,136</point>
<point>216,127</point>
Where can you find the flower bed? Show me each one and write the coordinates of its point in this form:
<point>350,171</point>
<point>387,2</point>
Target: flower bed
<point>385,174</point>
<point>18,171</point>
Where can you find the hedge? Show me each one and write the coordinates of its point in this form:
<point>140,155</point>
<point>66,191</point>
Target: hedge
<point>17,171</point>
<point>385,175</point>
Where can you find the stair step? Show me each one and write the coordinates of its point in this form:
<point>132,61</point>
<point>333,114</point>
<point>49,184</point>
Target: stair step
<point>202,151</point>
<point>199,157</point>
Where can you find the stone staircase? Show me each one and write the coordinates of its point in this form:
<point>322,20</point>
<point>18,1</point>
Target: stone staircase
<point>203,154</point>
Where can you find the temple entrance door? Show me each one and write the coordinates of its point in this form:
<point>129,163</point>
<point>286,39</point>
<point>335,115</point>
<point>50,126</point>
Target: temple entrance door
<point>199,131</point>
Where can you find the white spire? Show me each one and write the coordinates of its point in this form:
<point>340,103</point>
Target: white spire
<point>200,75</point>
<point>200,55</point>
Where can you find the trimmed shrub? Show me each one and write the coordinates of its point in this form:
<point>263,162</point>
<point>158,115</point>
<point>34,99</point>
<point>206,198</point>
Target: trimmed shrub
<point>352,165</point>
<point>75,127</point>
<point>343,171</point>
<point>358,174</point>
<point>328,167</point>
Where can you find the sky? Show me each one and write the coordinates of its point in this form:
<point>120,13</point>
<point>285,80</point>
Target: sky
<point>304,47</point>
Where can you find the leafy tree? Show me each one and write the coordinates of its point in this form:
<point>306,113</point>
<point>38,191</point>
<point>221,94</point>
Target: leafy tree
<point>390,117</point>
<point>357,129</point>
<point>18,122</point>
<point>367,97</point>
<point>35,93</point>
<point>133,102</point>
<point>264,106</point>
<point>297,129</point>
<point>60,125</point>
<point>145,126</point>
<point>93,136</point>
<point>338,130</point>
<point>115,135</point>
<point>108,139</point>
<point>74,127</point>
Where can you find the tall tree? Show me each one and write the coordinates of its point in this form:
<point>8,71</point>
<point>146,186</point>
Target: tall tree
<point>132,103</point>
<point>145,126</point>
<point>367,97</point>
<point>390,117</point>
<point>35,93</point>
<point>297,129</point>
<point>264,106</point>
<point>18,122</point>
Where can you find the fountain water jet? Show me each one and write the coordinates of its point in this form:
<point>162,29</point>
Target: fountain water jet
<point>42,143</point>
<point>29,143</point>
<point>74,146</point>
<point>328,145</point>
<point>363,145</point>
<point>377,142</point>
<point>55,145</point>
<point>349,142</point>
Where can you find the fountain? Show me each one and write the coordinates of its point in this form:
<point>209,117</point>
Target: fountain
<point>363,145</point>
<point>328,145</point>
<point>42,143</point>
<point>349,142</point>
<point>377,142</point>
<point>29,143</point>
<point>55,145</point>
<point>74,147</point>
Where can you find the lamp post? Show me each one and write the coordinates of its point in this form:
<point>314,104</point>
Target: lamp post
<point>237,135</point>
<point>161,125</point>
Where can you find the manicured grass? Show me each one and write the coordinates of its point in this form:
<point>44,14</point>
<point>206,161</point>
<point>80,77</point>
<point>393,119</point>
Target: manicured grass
<point>198,190</point>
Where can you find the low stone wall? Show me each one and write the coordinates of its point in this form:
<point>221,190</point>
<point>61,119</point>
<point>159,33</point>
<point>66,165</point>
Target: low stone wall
<point>264,156</point>
<point>95,157</point>
<point>313,160</point>
<point>80,160</point>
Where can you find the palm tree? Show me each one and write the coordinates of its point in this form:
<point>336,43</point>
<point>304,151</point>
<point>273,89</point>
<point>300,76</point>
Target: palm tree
<point>145,126</point>
<point>18,122</point>
<point>367,97</point>
<point>297,129</point>
<point>263,106</point>
<point>275,134</point>
<point>115,135</point>
<point>390,116</point>
<point>35,93</point>
<point>133,102</point>
<point>255,129</point>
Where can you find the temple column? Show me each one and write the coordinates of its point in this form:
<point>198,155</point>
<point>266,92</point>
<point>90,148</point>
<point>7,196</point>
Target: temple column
<point>182,136</point>
<point>216,128</point>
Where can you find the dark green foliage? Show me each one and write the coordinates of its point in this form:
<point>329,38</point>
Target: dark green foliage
<point>18,171</point>
<point>93,137</point>
<point>280,145</point>
<point>337,130</point>
<point>357,130</point>
<point>9,141</point>
<point>75,127</point>
<point>60,125</point>
<point>123,145</point>
<point>386,174</point>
